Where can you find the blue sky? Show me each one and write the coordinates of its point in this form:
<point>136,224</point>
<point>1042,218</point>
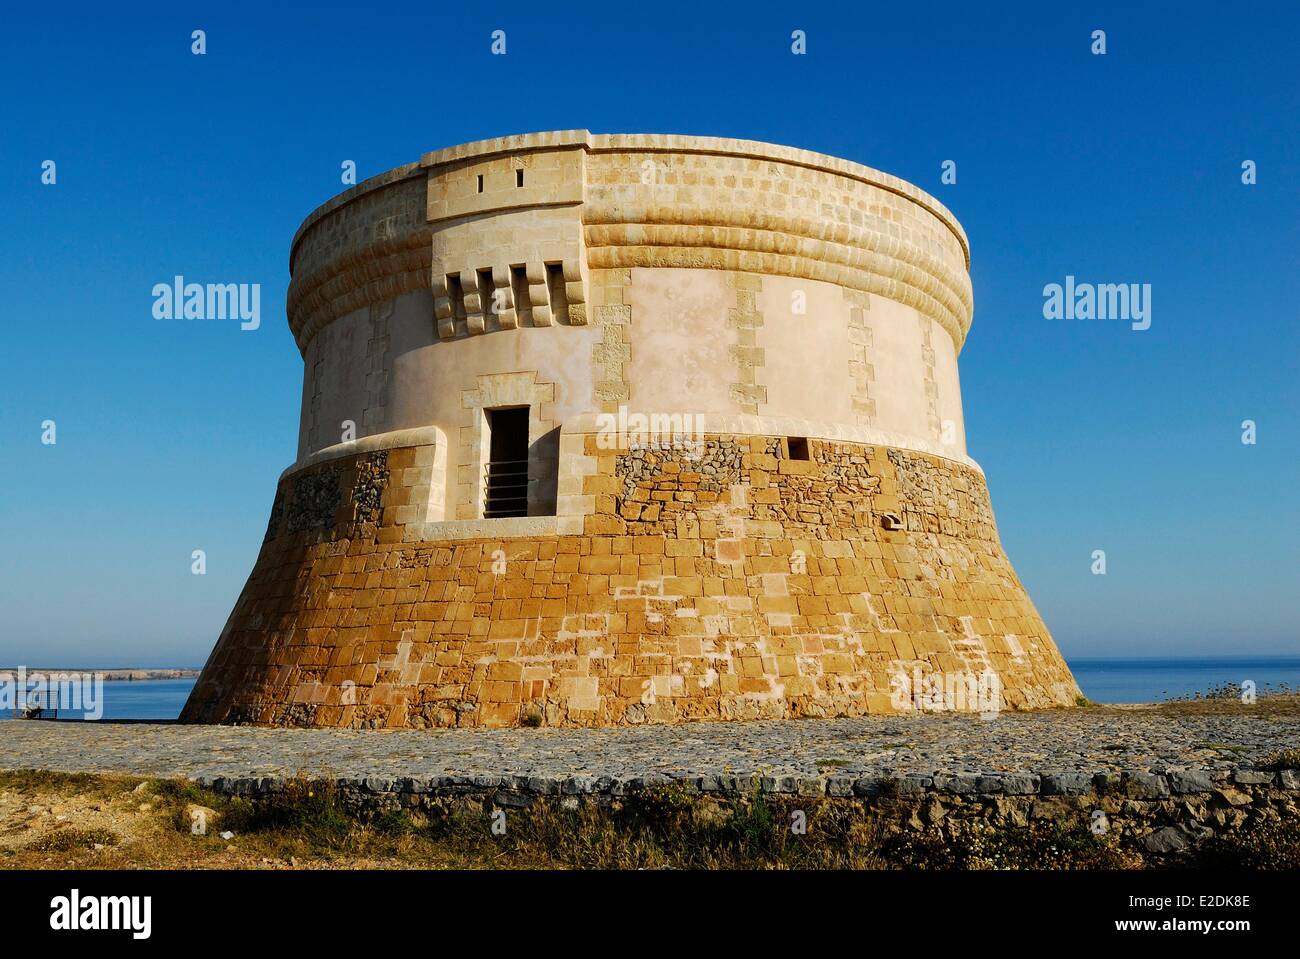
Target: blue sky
<point>1117,168</point>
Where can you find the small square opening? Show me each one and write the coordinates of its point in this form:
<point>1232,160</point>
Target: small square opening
<point>797,447</point>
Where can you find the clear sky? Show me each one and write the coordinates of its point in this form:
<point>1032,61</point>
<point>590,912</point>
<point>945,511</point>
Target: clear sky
<point>1121,168</point>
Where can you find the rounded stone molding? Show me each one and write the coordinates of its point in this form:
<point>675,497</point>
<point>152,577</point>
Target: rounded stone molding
<point>704,202</point>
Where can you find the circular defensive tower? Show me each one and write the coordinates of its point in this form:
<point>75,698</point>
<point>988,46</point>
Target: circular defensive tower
<point>607,429</point>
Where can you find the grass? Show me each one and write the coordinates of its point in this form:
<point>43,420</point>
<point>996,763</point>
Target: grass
<point>29,781</point>
<point>1037,846</point>
<point>1270,846</point>
<point>1225,702</point>
<point>1266,706</point>
<point>66,840</point>
<point>1281,759</point>
<point>1234,751</point>
<point>1233,691</point>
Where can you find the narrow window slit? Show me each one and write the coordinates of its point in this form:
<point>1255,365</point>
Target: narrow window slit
<point>485,294</point>
<point>519,288</point>
<point>456,293</point>
<point>555,289</point>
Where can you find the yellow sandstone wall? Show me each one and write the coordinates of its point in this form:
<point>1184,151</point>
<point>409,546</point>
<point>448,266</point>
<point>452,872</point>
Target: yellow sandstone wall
<point>736,585</point>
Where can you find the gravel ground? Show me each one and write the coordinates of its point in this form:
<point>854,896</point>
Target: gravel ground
<point>1092,741</point>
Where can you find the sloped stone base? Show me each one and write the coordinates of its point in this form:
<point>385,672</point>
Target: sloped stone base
<point>726,581</point>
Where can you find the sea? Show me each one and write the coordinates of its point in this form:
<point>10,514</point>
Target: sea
<point>1102,681</point>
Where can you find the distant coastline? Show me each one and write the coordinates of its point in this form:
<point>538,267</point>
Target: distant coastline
<point>109,675</point>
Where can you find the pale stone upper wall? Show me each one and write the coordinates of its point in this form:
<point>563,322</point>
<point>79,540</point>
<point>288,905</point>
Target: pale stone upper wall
<point>709,341</point>
<point>578,274</point>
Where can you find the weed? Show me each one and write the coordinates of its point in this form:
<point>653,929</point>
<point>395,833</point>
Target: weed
<point>68,840</point>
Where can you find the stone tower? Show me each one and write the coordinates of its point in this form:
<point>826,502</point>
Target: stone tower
<point>607,429</point>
